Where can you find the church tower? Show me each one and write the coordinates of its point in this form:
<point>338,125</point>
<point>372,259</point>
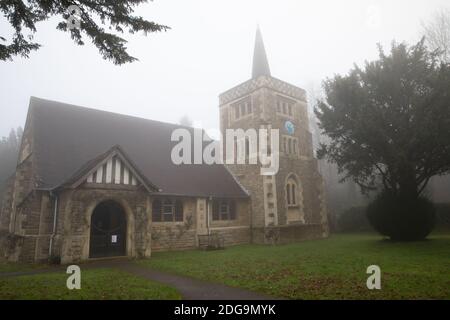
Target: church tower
<point>289,205</point>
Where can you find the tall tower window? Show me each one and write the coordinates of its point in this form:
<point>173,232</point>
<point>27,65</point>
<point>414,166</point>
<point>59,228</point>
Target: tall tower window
<point>285,106</point>
<point>288,193</point>
<point>291,192</point>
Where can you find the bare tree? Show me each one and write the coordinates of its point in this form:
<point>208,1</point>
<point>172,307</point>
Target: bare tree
<point>437,33</point>
<point>185,121</point>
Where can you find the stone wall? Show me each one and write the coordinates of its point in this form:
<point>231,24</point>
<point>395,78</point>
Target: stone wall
<point>183,235</point>
<point>234,235</point>
<point>288,233</point>
<point>236,231</point>
<point>177,235</point>
<point>6,205</point>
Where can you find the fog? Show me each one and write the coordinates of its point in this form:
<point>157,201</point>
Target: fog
<point>207,51</point>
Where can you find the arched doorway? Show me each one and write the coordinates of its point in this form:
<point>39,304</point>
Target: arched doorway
<point>108,231</point>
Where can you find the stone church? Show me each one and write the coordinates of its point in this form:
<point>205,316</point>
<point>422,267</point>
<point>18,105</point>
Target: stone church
<point>91,184</point>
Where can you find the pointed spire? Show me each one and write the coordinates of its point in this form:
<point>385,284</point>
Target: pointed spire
<point>260,63</point>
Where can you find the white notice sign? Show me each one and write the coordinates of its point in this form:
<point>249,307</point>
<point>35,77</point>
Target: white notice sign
<point>114,239</point>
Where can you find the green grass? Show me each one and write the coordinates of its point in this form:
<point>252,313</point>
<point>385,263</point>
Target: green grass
<point>96,284</point>
<point>333,268</point>
<point>10,267</point>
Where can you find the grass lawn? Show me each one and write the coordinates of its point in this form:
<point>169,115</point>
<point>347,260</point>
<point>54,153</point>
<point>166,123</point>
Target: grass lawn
<point>333,268</point>
<point>10,267</point>
<point>96,284</point>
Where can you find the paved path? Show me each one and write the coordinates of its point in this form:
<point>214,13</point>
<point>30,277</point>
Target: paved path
<point>192,289</point>
<point>189,288</point>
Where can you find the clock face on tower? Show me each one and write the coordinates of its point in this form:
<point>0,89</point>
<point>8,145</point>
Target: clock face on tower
<point>290,128</point>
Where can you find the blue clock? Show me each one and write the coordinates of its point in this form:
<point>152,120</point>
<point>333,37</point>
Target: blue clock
<point>289,126</point>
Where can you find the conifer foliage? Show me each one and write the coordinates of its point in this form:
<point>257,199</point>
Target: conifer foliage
<point>101,21</point>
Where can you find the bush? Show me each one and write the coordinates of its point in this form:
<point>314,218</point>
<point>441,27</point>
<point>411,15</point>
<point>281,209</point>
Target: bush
<point>54,259</point>
<point>443,215</point>
<point>353,220</point>
<point>402,219</point>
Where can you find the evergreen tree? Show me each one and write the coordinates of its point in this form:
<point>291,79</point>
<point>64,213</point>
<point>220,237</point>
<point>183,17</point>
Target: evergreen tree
<point>389,122</point>
<point>9,150</point>
<point>88,18</point>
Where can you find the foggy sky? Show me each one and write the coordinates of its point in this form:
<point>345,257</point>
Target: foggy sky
<point>207,51</point>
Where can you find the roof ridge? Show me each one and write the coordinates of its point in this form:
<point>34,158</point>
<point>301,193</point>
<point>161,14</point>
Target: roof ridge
<point>75,106</point>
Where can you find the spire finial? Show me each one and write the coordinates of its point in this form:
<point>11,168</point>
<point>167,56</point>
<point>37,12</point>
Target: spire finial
<point>260,63</point>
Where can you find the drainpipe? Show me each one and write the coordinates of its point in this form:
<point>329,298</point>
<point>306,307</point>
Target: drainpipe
<point>55,213</point>
<point>208,212</point>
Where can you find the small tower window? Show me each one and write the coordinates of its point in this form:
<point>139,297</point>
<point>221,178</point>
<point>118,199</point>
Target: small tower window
<point>249,107</point>
<point>290,145</point>
<point>242,108</point>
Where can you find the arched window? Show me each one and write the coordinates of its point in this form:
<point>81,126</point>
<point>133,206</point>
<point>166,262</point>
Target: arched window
<point>293,195</point>
<point>247,150</point>
<point>294,200</point>
<point>291,192</point>
<point>288,193</point>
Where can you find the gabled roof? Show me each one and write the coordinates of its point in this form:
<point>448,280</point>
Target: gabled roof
<point>92,166</point>
<point>67,140</point>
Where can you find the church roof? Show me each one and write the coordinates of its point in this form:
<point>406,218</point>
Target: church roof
<point>260,63</point>
<point>67,138</point>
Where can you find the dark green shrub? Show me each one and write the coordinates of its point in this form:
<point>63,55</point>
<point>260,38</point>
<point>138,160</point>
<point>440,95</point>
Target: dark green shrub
<point>353,220</point>
<point>443,215</point>
<point>402,219</point>
<point>54,259</point>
